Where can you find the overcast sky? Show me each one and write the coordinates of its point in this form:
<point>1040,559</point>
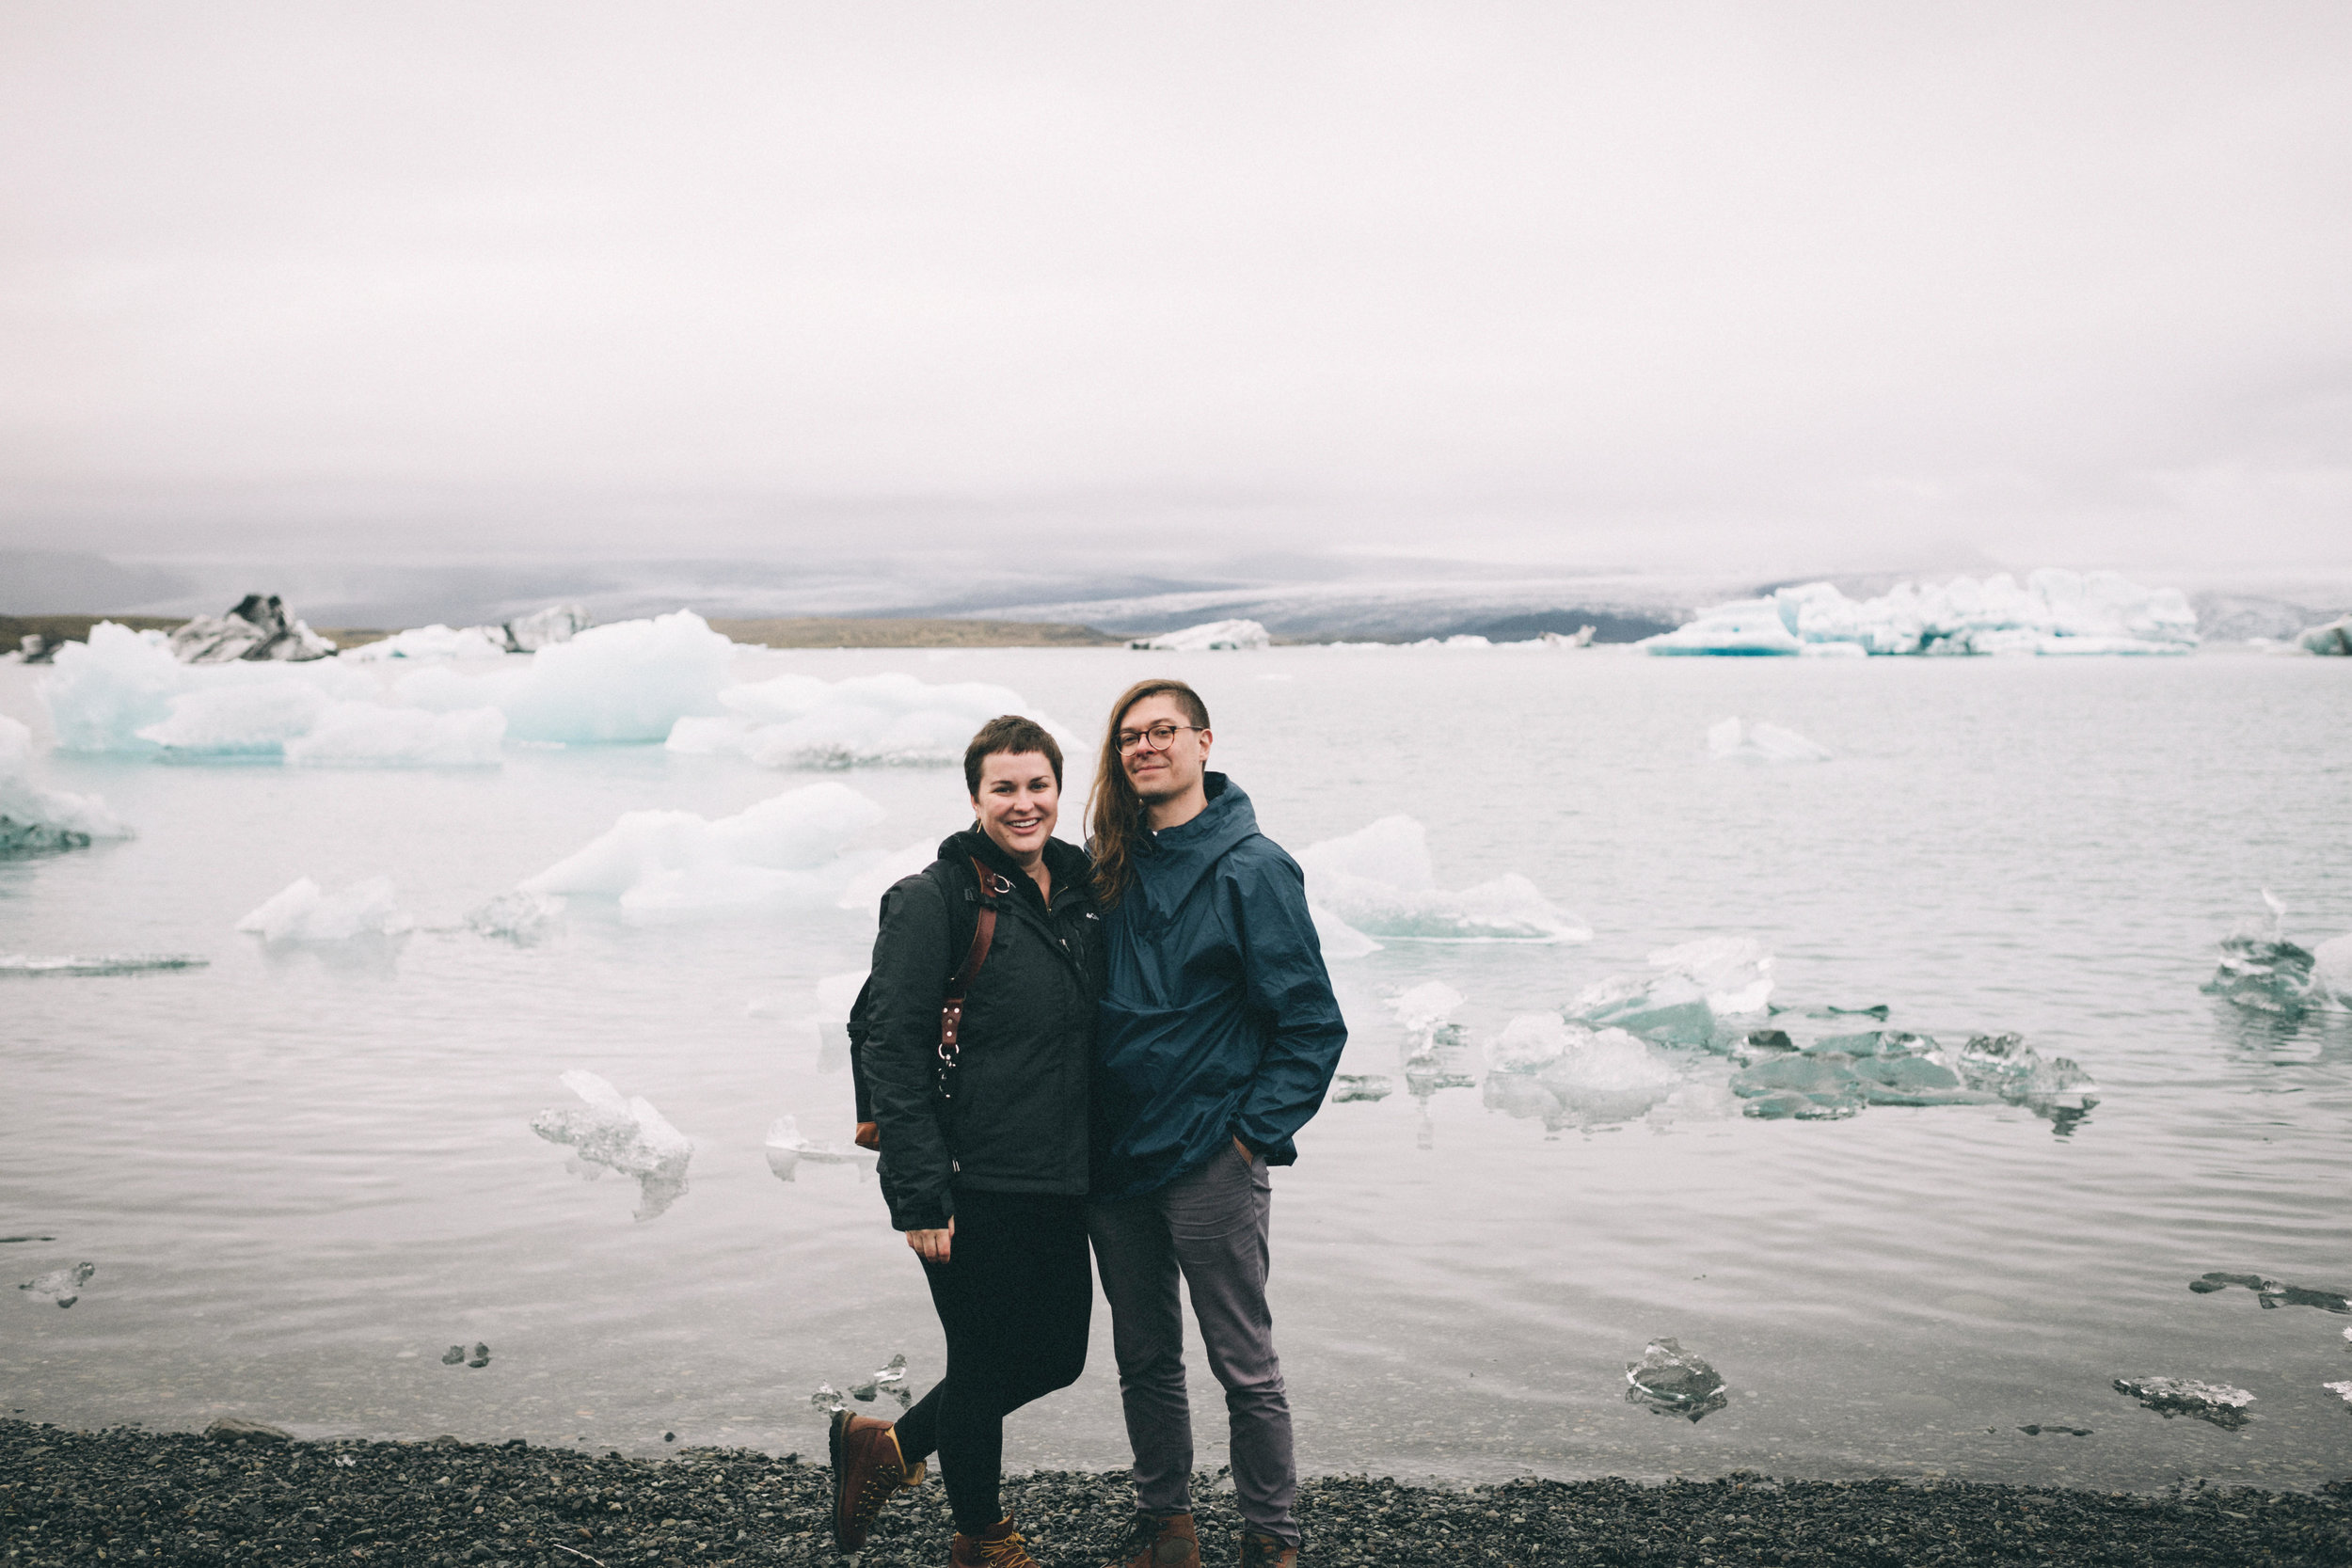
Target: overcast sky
<point>1786,285</point>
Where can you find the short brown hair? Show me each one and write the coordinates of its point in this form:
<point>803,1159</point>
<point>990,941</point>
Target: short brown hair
<point>1115,812</point>
<point>1007,732</point>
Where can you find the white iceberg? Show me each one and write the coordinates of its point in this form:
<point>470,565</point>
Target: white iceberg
<point>2052,613</point>
<point>1733,740</point>
<point>366,735</point>
<point>787,850</point>
<point>245,721</point>
<point>1423,1009</point>
<point>436,641</point>
<point>1337,938</point>
<point>303,912</point>
<point>609,1133</point>
<point>1208,635</point>
<point>34,820</point>
<point>1569,1073</point>
<point>1378,881</point>
<point>101,693</point>
<point>1736,973</point>
<point>1695,982</point>
<point>890,719</point>
<point>865,889</point>
<point>630,681</point>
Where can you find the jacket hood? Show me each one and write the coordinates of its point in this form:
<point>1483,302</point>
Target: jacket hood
<point>1169,862</point>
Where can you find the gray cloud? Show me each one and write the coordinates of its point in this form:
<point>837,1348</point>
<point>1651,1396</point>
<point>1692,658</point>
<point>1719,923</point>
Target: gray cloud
<point>1771,286</point>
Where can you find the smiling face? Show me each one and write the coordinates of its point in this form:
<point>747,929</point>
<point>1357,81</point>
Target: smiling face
<point>1018,802</point>
<point>1159,777</point>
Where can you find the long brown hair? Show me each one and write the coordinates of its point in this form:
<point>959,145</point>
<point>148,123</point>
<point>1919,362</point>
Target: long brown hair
<point>1113,812</point>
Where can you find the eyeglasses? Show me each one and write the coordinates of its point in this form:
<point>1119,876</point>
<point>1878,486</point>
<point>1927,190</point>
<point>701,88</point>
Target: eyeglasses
<point>1159,737</point>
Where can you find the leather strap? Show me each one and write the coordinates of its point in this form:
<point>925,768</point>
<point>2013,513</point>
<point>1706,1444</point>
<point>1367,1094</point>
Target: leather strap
<point>993,886</point>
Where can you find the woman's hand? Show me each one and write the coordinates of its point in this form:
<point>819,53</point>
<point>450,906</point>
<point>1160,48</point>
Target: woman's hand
<point>931,1246</point>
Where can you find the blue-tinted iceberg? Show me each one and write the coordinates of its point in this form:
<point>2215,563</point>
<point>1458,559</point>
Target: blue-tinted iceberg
<point>790,851</point>
<point>630,681</point>
<point>103,695</point>
<point>2335,638</point>
<point>1380,882</point>
<point>890,719</point>
<point>2052,613</point>
<point>35,820</point>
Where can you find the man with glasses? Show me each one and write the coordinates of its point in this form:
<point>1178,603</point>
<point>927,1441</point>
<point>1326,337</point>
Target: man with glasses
<point>1217,1037</point>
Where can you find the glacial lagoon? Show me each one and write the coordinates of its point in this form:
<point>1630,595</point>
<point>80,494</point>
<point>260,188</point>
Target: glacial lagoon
<point>307,1160</point>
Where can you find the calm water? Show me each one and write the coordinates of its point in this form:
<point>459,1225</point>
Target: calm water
<point>303,1175</point>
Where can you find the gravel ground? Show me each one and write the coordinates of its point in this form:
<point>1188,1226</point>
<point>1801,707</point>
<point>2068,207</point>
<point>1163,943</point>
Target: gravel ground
<point>121,1495</point>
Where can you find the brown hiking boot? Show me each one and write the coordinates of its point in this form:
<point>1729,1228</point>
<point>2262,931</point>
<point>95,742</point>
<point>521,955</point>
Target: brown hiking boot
<point>867,1470</point>
<point>1267,1551</point>
<point>998,1546</point>
<point>1159,1541</point>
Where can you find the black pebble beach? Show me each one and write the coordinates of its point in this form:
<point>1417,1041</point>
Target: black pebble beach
<point>129,1496</point>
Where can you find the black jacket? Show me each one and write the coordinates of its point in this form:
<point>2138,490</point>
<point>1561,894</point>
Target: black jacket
<point>1016,1121</point>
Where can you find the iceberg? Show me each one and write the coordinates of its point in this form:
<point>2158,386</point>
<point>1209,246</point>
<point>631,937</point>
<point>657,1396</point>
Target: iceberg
<point>72,966</point>
<point>1736,973</point>
<point>629,681</point>
<point>436,641</point>
<point>625,1135</point>
<point>1565,1073</point>
<point>1732,741</point>
<point>785,1149</point>
<point>1434,1048</point>
<point>1337,938</point>
<point>786,850</point>
<point>1679,1005</point>
<point>889,721</point>
<point>2335,638</point>
<point>1208,635</point>
<point>2217,1402</point>
<point>2052,613</point>
<point>1380,882</point>
<point>302,913</point>
<point>257,629</point>
<point>34,820</point>
<point>866,888</point>
<point>2263,973</point>
<point>1672,1381</point>
<point>1809,1087</point>
<point>521,918</point>
<point>366,735</point>
<point>64,1285</point>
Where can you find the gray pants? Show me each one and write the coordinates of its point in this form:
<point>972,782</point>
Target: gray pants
<point>1212,1227</point>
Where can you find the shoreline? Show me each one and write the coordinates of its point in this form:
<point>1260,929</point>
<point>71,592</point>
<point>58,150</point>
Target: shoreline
<point>127,1495</point>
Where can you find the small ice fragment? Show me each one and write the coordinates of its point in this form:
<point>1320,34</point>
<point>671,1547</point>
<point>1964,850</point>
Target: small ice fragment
<point>864,1392</point>
<point>2273,1295</point>
<point>1807,1087</point>
<point>303,912</point>
<point>454,1357</point>
<point>72,965</point>
<point>1879,1011</point>
<point>521,918</point>
<point>1672,1381</point>
<point>1348,1089</point>
<point>627,1136</point>
<point>1760,742</point>
<point>894,1374</point>
<point>785,1149</point>
<point>1735,971</point>
<point>1421,1009</point>
<point>827,1398</point>
<point>480,1356</point>
<point>1570,1074</point>
<point>65,1284</point>
<point>1669,1008</point>
<point>2217,1402</point>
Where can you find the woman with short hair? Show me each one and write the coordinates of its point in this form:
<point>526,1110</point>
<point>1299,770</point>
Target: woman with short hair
<point>981,1114</point>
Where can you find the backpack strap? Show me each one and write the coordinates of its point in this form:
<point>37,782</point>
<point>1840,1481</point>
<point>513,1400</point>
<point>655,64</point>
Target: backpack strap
<point>993,886</point>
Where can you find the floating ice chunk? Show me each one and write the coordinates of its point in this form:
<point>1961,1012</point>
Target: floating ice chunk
<point>786,1148</point>
<point>626,1135</point>
<point>34,820</point>
<point>1349,1088</point>
<point>1566,1074</point>
<point>1744,626</point>
<point>2335,638</point>
<point>1338,939</point>
<point>2331,973</point>
<point>302,913</point>
<point>436,641</point>
<point>866,888</point>
<point>110,963</point>
<point>1379,881</point>
<point>891,1379</point>
<point>630,681</point>
<point>103,692</point>
<point>1425,1007</point>
<point>1209,634</point>
<point>247,720</point>
<point>1916,1080</point>
<point>1736,973</point>
<point>517,916</point>
<point>1672,1381</point>
<point>2006,1066</point>
<point>369,735</point>
<point>828,1398</point>
<point>2217,1402</point>
<point>890,719</point>
<point>786,850</point>
<point>2261,975</point>
<point>1733,740</point>
<point>1670,1008</point>
<point>1808,1088</point>
<point>2271,1293</point>
<point>64,1284</point>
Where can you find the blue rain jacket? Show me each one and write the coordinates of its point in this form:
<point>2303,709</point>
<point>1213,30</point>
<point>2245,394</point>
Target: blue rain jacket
<point>1218,1021</point>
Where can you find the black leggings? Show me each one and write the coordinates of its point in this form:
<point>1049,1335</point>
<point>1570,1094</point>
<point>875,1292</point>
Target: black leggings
<point>1015,1298</point>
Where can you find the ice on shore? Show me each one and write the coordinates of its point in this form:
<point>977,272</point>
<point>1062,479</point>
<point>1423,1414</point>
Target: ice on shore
<point>610,1132</point>
<point>1568,1074</point>
<point>35,820</point>
<point>68,965</point>
<point>1208,635</point>
<point>2217,1402</point>
<point>2271,1293</point>
<point>786,851</point>
<point>2052,613</point>
<point>1672,1381</point>
<point>1379,882</point>
<point>786,1148</point>
<point>1734,740</point>
<point>64,1285</point>
<point>304,912</point>
<point>890,719</point>
<point>629,681</point>
<point>517,916</point>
